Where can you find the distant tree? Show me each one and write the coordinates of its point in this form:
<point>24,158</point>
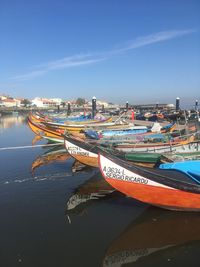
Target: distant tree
<point>80,101</point>
<point>25,102</point>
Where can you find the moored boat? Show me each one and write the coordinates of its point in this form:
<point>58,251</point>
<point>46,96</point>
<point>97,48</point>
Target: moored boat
<point>87,153</point>
<point>169,189</point>
<point>65,119</point>
<point>72,127</point>
<point>41,130</point>
<point>132,133</point>
<point>180,144</point>
<point>51,134</point>
<point>82,151</point>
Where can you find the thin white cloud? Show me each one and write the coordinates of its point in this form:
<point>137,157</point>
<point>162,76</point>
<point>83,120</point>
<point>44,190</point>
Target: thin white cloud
<point>76,60</point>
<point>151,39</point>
<point>30,75</point>
<point>67,62</point>
<point>87,59</point>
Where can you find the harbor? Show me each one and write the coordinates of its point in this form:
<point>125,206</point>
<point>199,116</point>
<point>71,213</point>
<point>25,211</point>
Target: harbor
<point>99,133</point>
<point>53,205</point>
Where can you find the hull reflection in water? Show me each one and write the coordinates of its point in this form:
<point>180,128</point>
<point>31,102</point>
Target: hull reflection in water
<point>89,192</point>
<point>77,166</point>
<point>57,153</point>
<point>153,238</point>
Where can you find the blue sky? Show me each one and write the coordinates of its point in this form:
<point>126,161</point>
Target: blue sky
<point>139,51</point>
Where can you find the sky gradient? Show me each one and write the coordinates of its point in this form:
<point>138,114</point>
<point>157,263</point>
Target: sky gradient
<point>133,50</point>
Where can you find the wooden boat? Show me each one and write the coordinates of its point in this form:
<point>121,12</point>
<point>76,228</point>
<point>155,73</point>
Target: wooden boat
<point>132,133</point>
<point>169,189</point>
<point>35,118</point>
<point>82,151</point>
<point>98,125</point>
<point>190,167</point>
<point>147,141</point>
<point>182,156</point>
<point>53,135</point>
<point>123,132</point>
<point>180,144</point>
<point>132,139</point>
<point>78,119</point>
<point>87,153</point>
<point>85,121</point>
<point>153,237</point>
<point>41,130</point>
<point>123,135</point>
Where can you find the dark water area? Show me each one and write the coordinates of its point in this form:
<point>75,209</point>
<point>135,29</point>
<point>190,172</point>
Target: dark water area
<point>56,212</point>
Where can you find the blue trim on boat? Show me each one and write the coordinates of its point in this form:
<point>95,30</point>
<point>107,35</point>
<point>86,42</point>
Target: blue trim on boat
<point>190,167</point>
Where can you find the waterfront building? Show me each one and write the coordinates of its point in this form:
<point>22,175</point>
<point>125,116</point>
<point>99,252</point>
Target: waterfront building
<point>45,102</point>
<point>10,102</point>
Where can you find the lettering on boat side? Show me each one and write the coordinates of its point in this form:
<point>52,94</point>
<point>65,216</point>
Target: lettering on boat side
<point>77,151</point>
<point>80,153</point>
<point>119,174</point>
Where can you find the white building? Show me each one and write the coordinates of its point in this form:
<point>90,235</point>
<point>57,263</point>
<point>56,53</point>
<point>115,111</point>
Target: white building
<point>45,102</point>
<point>57,101</point>
<point>100,103</point>
<point>9,102</point>
<point>3,97</point>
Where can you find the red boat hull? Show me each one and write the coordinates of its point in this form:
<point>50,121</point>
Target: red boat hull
<point>157,196</point>
<point>142,185</point>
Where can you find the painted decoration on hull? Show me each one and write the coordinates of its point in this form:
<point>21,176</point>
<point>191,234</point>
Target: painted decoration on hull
<point>111,170</point>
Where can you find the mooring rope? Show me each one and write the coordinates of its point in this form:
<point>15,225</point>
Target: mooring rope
<point>24,147</point>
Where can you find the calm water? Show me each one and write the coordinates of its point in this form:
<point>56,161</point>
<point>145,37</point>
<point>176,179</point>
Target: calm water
<point>55,212</point>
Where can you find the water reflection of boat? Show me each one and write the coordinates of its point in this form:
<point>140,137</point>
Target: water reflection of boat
<point>87,193</point>
<point>77,166</point>
<point>57,153</point>
<point>153,238</point>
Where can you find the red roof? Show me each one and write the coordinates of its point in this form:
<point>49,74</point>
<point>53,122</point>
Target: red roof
<point>9,100</point>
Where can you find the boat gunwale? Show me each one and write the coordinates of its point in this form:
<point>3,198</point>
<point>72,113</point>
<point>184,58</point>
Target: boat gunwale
<point>156,175</point>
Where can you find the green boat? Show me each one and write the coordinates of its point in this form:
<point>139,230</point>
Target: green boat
<point>155,159</point>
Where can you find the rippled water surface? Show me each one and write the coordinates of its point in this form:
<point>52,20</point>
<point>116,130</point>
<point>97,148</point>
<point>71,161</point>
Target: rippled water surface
<point>56,212</point>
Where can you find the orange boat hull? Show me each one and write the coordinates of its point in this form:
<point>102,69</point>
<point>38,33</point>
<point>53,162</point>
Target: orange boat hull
<point>43,132</point>
<point>157,196</point>
<point>172,190</point>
